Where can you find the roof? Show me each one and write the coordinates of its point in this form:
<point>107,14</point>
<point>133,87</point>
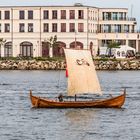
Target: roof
<point>38,6</point>
<point>47,6</point>
<point>125,47</point>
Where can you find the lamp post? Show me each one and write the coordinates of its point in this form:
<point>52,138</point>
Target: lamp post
<point>16,52</point>
<point>37,49</point>
<point>75,40</point>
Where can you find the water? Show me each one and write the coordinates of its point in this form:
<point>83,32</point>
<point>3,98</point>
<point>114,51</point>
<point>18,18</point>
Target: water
<point>18,121</point>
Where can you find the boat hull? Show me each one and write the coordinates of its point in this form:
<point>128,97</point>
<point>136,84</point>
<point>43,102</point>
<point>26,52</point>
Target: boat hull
<point>113,102</point>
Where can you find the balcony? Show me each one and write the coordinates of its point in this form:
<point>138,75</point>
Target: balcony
<point>118,19</point>
<point>118,31</point>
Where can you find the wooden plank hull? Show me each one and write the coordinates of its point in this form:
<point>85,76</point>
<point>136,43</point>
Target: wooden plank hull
<point>114,102</point>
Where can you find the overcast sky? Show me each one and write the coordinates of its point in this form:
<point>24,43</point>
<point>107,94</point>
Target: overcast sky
<point>130,4</point>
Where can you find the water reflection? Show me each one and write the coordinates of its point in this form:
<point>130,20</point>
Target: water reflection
<point>80,116</point>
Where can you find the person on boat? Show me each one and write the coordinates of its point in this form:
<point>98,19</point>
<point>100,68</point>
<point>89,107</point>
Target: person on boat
<point>60,97</point>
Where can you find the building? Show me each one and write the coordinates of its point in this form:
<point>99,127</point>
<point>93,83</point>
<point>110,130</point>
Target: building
<point>26,29</point>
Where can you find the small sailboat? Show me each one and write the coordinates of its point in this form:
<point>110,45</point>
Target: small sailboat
<point>82,79</point>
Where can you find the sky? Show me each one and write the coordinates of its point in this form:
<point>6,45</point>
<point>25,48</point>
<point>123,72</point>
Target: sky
<point>132,5</point>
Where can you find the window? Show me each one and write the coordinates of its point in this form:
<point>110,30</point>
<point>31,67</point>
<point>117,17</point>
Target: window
<point>0,14</point>
<point>0,27</point>
<point>72,14</point>
<point>30,27</point>
<point>26,49</point>
<point>7,14</point>
<point>120,16</point>
<point>46,27</point>
<point>104,16</point>
<point>8,49</point>
<point>7,27</point>
<point>63,14</point>
<point>54,27</point>
<point>126,28</point>
<point>118,28</point>
<point>108,16</point>
<point>72,27</point>
<point>30,14</point>
<point>46,14</point>
<point>80,14</point>
<point>21,27</point>
<point>63,27</point>
<point>21,15</point>
<point>54,14</point>
<point>114,16</point>
<point>80,27</point>
<point>107,28</point>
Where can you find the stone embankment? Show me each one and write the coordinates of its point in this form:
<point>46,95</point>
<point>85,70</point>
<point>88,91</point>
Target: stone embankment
<point>60,65</point>
<point>31,65</point>
<point>118,65</point>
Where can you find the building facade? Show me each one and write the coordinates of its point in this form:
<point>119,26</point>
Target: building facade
<point>26,29</point>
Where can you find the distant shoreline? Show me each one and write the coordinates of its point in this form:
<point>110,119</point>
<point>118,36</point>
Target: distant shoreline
<point>100,64</point>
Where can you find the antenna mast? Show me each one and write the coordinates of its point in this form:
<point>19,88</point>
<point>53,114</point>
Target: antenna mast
<point>131,10</point>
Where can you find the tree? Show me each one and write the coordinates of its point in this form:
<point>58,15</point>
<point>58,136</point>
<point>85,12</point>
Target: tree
<point>2,42</point>
<point>52,43</point>
<point>110,46</point>
<point>98,51</point>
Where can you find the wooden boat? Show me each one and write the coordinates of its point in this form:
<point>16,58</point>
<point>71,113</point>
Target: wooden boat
<point>114,102</point>
<point>82,78</point>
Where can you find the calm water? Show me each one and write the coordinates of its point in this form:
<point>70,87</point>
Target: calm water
<point>18,121</point>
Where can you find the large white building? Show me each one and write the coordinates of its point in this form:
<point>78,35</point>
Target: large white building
<point>26,29</point>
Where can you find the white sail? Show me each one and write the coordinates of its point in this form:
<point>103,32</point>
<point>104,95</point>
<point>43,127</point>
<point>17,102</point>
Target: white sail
<point>82,77</point>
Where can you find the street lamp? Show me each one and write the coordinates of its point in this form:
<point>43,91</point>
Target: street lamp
<point>75,40</point>
<point>38,48</point>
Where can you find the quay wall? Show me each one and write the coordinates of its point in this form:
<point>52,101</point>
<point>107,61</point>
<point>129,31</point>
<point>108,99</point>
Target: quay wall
<point>61,65</point>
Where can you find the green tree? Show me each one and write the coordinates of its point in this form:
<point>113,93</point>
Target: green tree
<point>98,51</point>
<point>110,46</point>
<point>52,43</point>
<point>2,42</point>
